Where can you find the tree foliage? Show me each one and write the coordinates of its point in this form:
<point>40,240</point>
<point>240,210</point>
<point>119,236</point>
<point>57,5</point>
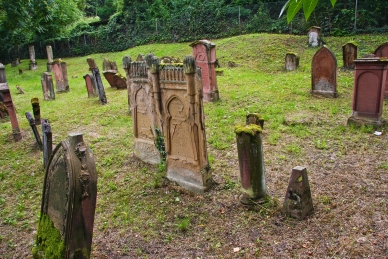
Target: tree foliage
<point>294,6</point>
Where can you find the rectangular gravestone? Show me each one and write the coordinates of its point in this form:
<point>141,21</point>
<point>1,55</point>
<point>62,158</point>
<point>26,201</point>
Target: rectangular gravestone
<point>324,73</point>
<point>60,74</point>
<point>47,141</point>
<point>48,86</point>
<point>97,77</point>
<point>91,85</point>
<point>50,60</point>
<point>349,54</point>
<point>291,62</point>
<point>68,202</point>
<point>31,121</point>
<point>382,52</point>
<point>33,65</point>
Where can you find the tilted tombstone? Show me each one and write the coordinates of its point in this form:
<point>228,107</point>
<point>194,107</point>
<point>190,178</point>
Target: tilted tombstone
<point>91,85</point>
<point>324,73</point>
<point>47,141</point>
<point>204,52</point>
<point>184,127</point>
<point>382,51</point>
<point>20,89</point>
<point>291,61</point>
<point>109,76</point>
<point>33,65</point>
<point>36,110</point>
<point>349,54</point>
<point>60,74</point>
<point>32,123</point>
<point>120,81</point>
<point>69,201</point>
<point>6,95</point>
<point>126,61</point>
<point>50,60</point>
<point>48,86</point>
<point>298,202</point>
<point>368,94</point>
<point>97,77</point>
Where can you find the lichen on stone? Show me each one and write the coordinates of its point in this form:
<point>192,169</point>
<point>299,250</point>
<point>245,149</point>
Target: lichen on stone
<point>250,129</point>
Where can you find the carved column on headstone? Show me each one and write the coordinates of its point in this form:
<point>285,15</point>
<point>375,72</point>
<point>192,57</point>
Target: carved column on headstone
<point>34,129</point>
<point>251,159</point>
<point>47,141</point>
<point>47,86</point>
<point>60,74</point>
<point>349,54</point>
<point>33,65</point>
<point>91,85</point>
<point>97,77</point>
<point>382,52</point>
<point>153,63</point>
<point>127,68</point>
<point>50,60</point>
<point>324,73</point>
<point>368,95</point>
<point>4,89</point>
<point>291,61</point>
<point>204,52</point>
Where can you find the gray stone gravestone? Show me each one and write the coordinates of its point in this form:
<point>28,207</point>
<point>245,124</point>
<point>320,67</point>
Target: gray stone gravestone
<point>47,142</point>
<point>50,60</point>
<point>33,65</point>
<point>34,129</point>
<point>48,86</point>
<point>291,61</point>
<point>97,77</point>
<point>324,73</point>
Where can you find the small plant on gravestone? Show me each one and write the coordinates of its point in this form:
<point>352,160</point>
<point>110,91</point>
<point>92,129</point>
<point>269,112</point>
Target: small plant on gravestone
<point>159,143</point>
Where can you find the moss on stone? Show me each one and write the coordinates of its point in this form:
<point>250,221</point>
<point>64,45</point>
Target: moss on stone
<point>248,129</point>
<point>352,42</point>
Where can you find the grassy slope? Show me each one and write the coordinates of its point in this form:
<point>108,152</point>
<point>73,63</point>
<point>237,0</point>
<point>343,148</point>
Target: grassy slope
<point>139,213</point>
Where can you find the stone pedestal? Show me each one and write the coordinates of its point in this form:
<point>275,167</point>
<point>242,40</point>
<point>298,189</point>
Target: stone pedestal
<point>382,51</point>
<point>291,62</point>
<point>368,95</point>
<point>60,73</point>
<point>324,73</point>
<point>47,86</point>
<point>97,77</point>
<point>349,54</point>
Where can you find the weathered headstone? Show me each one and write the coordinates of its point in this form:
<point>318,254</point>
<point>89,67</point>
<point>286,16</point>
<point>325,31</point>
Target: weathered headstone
<point>97,77</point>
<point>50,60</point>
<point>120,81</point>
<point>34,129</point>
<point>68,204</point>
<point>382,51</point>
<point>20,89</point>
<point>47,86</point>
<point>60,74</point>
<point>36,110</point>
<point>140,58</point>
<point>368,94</point>
<point>33,65</point>
<point>204,52</point>
<point>324,73</point>
<point>314,35</point>
<point>251,159</point>
<point>126,61</point>
<point>47,142</point>
<point>6,94</point>
<point>298,202</point>
<point>91,85</point>
<point>15,63</point>
<point>109,76</point>
<point>109,65</point>
<point>349,54</point>
<point>291,61</point>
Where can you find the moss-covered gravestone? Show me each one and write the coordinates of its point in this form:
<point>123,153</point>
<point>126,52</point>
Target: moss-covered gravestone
<point>68,204</point>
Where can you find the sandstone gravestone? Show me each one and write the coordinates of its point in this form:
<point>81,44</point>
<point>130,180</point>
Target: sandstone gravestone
<point>32,123</point>
<point>126,61</point>
<point>48,86</point>
<point>97,77</point>
<point>33,65</point>
<point>349,54</point>
<point>36,110</point>
<point>47,141</point>
<point>68,204</point>
<point>382,51</point>
<point>50,60</point>
<point>91,85</point>
<point>368,94</point>
<point>120,81</point>
<point>324,73</point>
<point>184,127</point>
<point>291,61</point>
<point>204,52</point>
<point>251,159</point>
<point>298,202</point>
<point>109,76</point>
<point>7,100</point>
<point>60,74</point>
<point>314,35</point>
<point>109,65</point>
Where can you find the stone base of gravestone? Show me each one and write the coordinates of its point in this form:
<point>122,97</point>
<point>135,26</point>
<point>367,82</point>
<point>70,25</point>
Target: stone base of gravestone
<point>324,88</point>
<point>146,151</point>
<point>33,65</point>
<point>365,121</point>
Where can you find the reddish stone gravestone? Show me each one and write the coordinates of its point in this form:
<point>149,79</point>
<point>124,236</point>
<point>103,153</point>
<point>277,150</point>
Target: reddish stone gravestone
<point>6,94</point>
<point>36,110</point>
<point>368,95</point>
<point>204,52</point>
<point>60,74</point>
<point>68,204</point>
<point>120,81</point>
<point>50,60</point>
<point>251,159</point>
<point>291,61</point>
<point>91,85</point>
<point>47,142</point>
<point>349,54</point>
<point>33,65</point>
<point>184,127</point>
<point>298,202</point>
<point>48,86</point>
<point>382,51</point>
<point>324,73</point>
<point>97,77</point>
<point>32,123</point>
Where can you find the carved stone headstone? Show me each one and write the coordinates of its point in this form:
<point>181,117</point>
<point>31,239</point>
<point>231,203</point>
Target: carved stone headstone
<point>251,159</point>
<point>298,202</point>
<point>48,86</point>
<point>6,95</point>
<point>60,74</point>
<point>324,73</point>
<point>97,77</point>
<point>36,110</point>
<point>291,61</point>
<point>368,94</point>
<point>204,52</point>
<point>91,85</point>
<point>68,204</point>
<point>33,65</point>
<point>34,129</point>
<point>50,60</point>
<point>349,54</point>
<point>382,51</point>
<point>47,141</point>
<point>314,35</point>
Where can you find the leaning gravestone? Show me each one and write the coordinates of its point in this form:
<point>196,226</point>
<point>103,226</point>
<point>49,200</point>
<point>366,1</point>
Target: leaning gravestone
<point>324,73</point>
<point>291,61</point>
<point>32,123</point>
<point>382,51</point>
<point>60,74</point>
<point>349,54</point>
<point>97,77</point>
<point>48,86</point>
<point>68,204</point>
<point>91,85</point>
<point>33,65</point>
<point>47,141</point>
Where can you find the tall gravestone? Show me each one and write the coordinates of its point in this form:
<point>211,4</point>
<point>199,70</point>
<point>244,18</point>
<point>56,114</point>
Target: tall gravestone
<point>33,65</point>
<point>126,61</point>
<point>184,127</point>
<point>324,73</point>
<point>204,52</point>
<point>50,60</point>
<point>97,77</point>
<point>349,54</point>
<point>314,36</point>
<point>47,141</point>
<point>60,74</point>
<point>91,86</point>
<point>382,52</point>
<point>32,123</point>
<point>6,95</point>
<point>47,86</point>
<point>68,204</point>
<point>291,61</point>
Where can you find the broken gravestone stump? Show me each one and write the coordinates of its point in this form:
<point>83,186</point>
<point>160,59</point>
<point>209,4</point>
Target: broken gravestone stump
<point>47,141</point>
<point>298,202</point>
<point>20,89</point>
<point>291,61</point>
<point>48,86</point>
<point>60,74</point>
<point>109,65</point>
<point>324,73</point>
<point>36,110</point>
<point>34,129</point>
<point>33,65</point>
<point>349,54</point>
<point>91,85</point>
<point>50,60</point>
<point>251,159</point>
<point>68,202</point>
<point>382,52</point>
<point>97,77</point>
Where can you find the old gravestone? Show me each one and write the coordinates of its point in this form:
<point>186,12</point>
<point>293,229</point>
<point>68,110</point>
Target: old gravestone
<point>382,51</point>
<point>204,52</point>
<point>314,36</point>
<point>91,85</point>
<point>291,61</point>
<point>50,60</point>
<point>324,73</point>
<point>97,77</point>
<point>126,62</point>
<point>109,65</point>
<point>6,95</point>
<point>349,54</point>
<point>33,65</point>
<point>36,110</point>
<point>68,202</point>
<point>32,123</point>
<point>47,86</point>
<point>60,74</point>
<point>47,141</point>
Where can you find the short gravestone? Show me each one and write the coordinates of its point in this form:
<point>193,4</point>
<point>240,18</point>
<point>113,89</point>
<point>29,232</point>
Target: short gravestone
<point>47,86</point>
<point>97,77</point>
<point>65,227</point>
<point>120,81</point>
<point>91,87</point>
<point>314,36</point>
<point>251,159</point>
<point>349,54</point>
<point>32,123</point>
<point>291,61</point>
<point>36,110</point>
<point>109,76</point>
<point>33,65</point>
<point>204,52</point>
<point>324,73</point>
<point>20,89</point>
<point>60,74</point>
<point>50,60</point>
<point>47,141</point>
<point>382,52</point>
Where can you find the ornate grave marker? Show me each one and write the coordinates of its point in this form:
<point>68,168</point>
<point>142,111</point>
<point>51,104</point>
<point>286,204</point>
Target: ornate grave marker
<point>60,74</point>
<point>50,60</point>
<point>291,61</point>
<point>298,202</point>
<point>34,129</point>
<point>324,73</point>
<point>91,85</point>
<point>96,74</point>
<point>204,52</point>
<point>48,86</point>
<point>68,204</point>
<point>47,141</point>
<point>36,110</point>
<point>33,65</point>
<point>382,51</point>
<point>349,54</point>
